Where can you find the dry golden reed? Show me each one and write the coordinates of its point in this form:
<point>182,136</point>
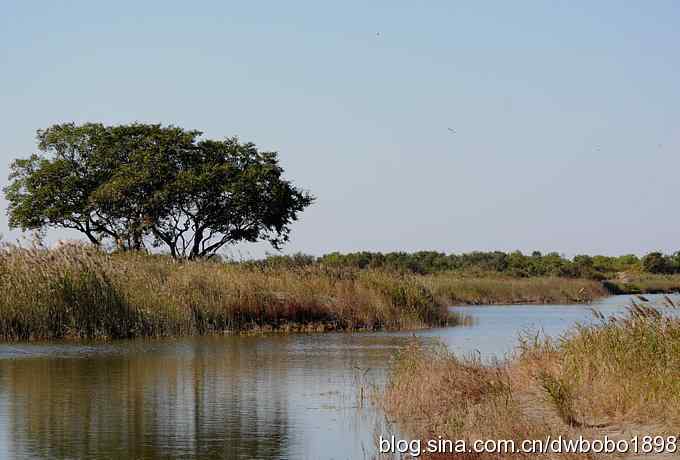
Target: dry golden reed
<point>620,370</point>
<point>432,394</point>
<point>463,290</point>
<point>617,377</point>
<point>78,292</point>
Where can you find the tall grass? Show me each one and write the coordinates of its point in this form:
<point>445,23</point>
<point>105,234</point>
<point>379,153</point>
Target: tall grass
<point>616,377</point>
<point>621,369</point>
<point>432,394</point>
<point>456,289</point>
<point>643,283</point>
<point>78,292</point>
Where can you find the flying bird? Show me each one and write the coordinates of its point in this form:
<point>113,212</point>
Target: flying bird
<point>452,130</point>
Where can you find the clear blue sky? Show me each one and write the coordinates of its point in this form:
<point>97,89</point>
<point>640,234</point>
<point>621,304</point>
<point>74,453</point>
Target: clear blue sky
<point>567,114</point>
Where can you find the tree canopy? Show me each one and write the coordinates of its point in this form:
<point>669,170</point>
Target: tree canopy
<point>142,185</point>
<point>479,263</point>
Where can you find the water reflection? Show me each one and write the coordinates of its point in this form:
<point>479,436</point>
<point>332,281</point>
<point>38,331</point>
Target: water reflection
<point>220,397</point>
<point>276,397</point>
<point>148,405</point>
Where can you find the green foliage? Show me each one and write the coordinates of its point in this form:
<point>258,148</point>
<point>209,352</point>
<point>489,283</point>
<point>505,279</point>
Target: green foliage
<point>477,263</point>
<point>655,262</point>
<point>148,185</point>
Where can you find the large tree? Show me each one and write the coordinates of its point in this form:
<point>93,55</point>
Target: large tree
<point>144,185</point>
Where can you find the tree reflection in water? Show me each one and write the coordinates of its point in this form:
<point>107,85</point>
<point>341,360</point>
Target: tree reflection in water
<point>194,400</point>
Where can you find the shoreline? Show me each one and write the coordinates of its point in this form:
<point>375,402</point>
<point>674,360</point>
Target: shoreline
<point>80,293</point>
<point>584,302</point>
<point>284,328</point>
<point>570,387</point>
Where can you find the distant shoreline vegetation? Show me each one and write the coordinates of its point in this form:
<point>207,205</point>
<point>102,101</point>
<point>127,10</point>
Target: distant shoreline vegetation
<point>515,264</point>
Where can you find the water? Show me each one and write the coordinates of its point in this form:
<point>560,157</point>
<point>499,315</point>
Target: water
<point>272,397</point>
<point>496,328</point>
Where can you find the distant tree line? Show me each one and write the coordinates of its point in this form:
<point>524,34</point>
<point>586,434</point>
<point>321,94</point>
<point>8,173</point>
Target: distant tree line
<point>514,264</point>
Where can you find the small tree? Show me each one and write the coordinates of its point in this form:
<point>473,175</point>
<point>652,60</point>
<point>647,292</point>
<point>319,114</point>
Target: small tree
<point>147,185</point>
<point>656,262</point>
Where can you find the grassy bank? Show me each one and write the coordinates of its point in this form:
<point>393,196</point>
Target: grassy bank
<point>77,292</point>
<point>616,378</point>
<point>433,394</point>
<point>456,289</point>
<point>644,283</point>
<point>618,371</point>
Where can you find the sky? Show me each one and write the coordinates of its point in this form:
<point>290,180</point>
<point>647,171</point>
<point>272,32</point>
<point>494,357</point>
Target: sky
<point>565,115</point>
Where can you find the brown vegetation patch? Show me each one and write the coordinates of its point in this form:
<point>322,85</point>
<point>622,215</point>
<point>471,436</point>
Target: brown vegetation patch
<point>79,292</point>
<point>617,378</point>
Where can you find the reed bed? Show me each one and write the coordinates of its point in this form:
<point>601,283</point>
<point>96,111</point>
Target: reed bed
<point>623,369</point>
<point>617,377</point>
<point>461,290</point>
<point>644,283</point>
<point>78,292</point>
<point>432,394</point>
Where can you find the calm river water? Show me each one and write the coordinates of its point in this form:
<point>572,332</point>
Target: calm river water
<point>271,397</point>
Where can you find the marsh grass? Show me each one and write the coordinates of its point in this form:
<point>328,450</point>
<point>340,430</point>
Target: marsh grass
<point>615,375</point>
<point>461,290</point>
<point>623,369</point>
<point>78,292</point>
<point>75,291</point>
<point>431,393</point>
<point>648,283</point>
